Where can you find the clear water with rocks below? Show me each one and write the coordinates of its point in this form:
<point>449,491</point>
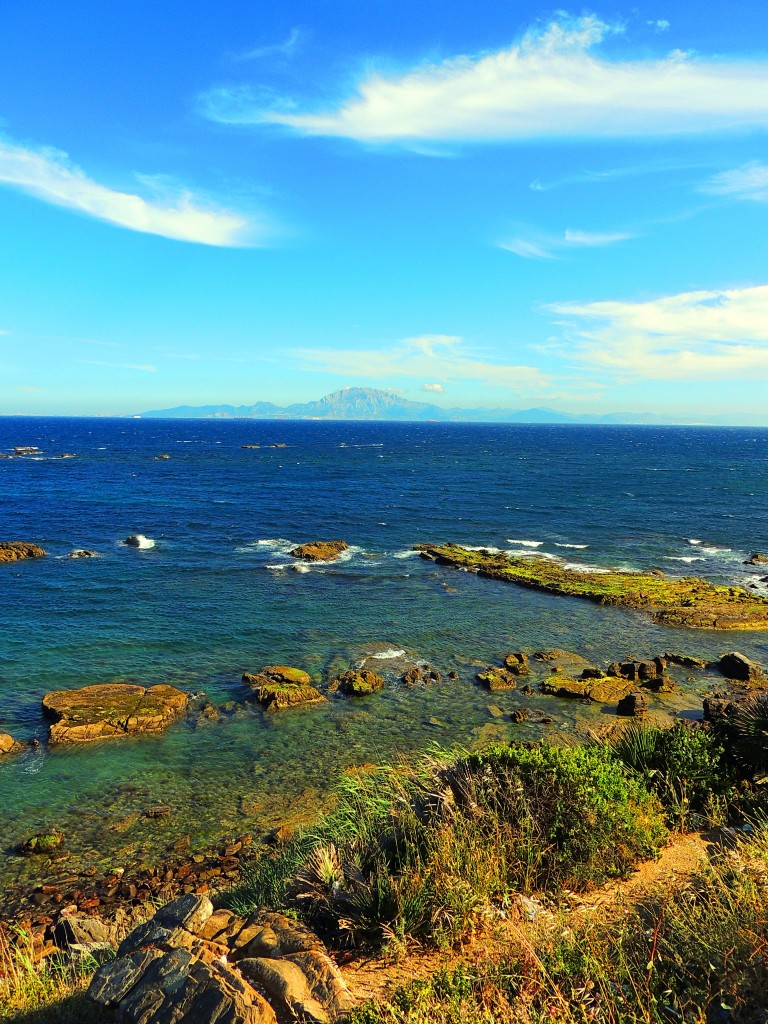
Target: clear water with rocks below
<point>218,594</point>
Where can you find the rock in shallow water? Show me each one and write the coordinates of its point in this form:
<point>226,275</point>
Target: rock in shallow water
<point>15,550</point>
<point>320,550</point>
<point>8,745</point>
<point>111,710</point>
<point>278,687</point>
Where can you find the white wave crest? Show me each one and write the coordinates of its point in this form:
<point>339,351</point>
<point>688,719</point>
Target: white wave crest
<point>138,540</point>
<point>525,543</point>
<point>692,540</point>
<point>391,652</point>
<point>409,553</point>
<point>683,558</point>
<point>579,547</point>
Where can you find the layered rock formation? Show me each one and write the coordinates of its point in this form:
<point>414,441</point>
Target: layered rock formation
<point>110,710</point>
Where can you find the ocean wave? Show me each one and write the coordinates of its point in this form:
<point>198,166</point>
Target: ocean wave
<point>272,543</point>
<point>391,652</point>
<point>300,567</point>
<point>684,558</point>
<point>525,543</point>
<point>692,540</point>
<point>138,540</point>
<point>482,547</point>
<point>408,553</point>
<point>716,551</point>
<point>580,547</point>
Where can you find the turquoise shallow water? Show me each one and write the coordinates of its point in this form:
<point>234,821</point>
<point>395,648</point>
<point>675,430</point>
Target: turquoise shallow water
<point>209,601</point>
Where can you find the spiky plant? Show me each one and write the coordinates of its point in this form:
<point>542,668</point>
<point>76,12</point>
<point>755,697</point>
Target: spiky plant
<point>750,725</point>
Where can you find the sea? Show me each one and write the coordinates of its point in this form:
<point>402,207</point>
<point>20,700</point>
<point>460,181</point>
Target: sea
<point>217,594</point>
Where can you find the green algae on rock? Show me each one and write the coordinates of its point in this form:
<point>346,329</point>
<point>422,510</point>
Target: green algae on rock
<point>689,602</point>
<point>111,710</point>
<point>15,550</point>
<point>357,682</point>
<point>280,686</point>
<point>320,550</point>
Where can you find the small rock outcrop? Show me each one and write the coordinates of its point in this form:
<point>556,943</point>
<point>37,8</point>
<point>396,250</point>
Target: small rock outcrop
<point>8,745</point>
<point>278,687</point>
<point>685,660</point>
<point>517,663</point>
<point>82,553</point>
<point>41,844</point>
<point>320,550</point>
<point>634,705</point>
<point>111,710</point>
<point>357,682</point>
<point>758,558</point>
<point>497,679</point>
<point>601,689</point>
<point>16,550</point>
<point>738,666</point>
<point>189,964</point>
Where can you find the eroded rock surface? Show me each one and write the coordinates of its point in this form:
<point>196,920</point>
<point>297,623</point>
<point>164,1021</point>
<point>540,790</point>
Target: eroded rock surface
<point>278,687</point>
<point>8,745</point>
<point>111,710</point>
<point>15,550</point>
<point>320,550</point>
<point>738,666</point>
<point>357,682</point>
<point>189,964</point>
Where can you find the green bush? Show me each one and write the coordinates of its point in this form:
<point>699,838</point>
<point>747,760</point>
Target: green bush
<point>428,852</point>
<point>686,766</point>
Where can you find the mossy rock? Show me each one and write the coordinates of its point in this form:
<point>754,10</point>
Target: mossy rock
<point>320,550</point>
<point>357,683</point>
<point>15,550</point>
<point>689,602</point>
<point>111,710</point>
<point>497,679</point>
<point>602,690</point>
<point>41,844</point>
<point>287,674</point>
<point>278,687</point>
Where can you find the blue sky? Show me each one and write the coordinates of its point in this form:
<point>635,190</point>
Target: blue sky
<point>486,204</point>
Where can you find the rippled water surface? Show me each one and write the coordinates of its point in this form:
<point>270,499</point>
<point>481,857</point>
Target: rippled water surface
<point>219,594</point>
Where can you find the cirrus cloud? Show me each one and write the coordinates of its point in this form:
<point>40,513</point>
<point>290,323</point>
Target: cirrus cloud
<point>749,182</point>
<point>48,174</point>
<point>549,85</point>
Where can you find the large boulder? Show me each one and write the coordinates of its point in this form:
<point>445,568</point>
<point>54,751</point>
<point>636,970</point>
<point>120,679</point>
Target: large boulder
<point>497,679</point>
<point>278,687</point>
<point>189,965</point>
<point>601,689</point>
<point>738,666</point>
<point>111,710</point>
<point>15,550</point>
<point>320,550</point>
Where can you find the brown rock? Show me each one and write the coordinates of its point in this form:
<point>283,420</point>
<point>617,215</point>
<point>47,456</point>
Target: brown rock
<point>111,710</point>
<point>8,745</point>
<point>287,988</point>
<point>412,676</point>
<point>517,663</point>
<point>82,553</point>
<point>278,687</point>
<point>497,679</point>
<point>320,550</point>
<point>738,666</point>
<point>520,715</point>
<point>758,558</point>
<point>357,682</point>
<point>634,705</point>
<point>603,690</point>
<point>15,550</point>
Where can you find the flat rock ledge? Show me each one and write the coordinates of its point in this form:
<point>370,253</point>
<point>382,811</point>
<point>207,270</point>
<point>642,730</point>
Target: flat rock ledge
<point>16,550</point>
<point>111,710</point>
<point>189,964</point>
<point>278,687</point>
<point>320,550</point>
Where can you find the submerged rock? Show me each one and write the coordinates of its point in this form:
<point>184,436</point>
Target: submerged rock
<point>320,550</point>
<point>41,844</point>
<point>16,550</point>
<point>110,710</point>
<point>517,663</point>
<point>685,660</point>
<point>278,687</point>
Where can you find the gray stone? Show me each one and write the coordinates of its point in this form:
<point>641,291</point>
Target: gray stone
<point>738,666</point>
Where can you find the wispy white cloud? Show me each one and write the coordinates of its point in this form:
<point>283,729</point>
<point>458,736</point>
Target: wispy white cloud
<point>660,24</point>
<point>48,174</point>
<point>287,48</point>
<point>436,388</point>
<point>550,84</point>
<point>549,247</point>
<point>720,335</point>
<point>747,182</point>
<point>143,367</point>
<point>427,356</point>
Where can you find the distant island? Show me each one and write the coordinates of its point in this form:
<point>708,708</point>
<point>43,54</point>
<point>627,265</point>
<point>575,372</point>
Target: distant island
<point>377,404</point>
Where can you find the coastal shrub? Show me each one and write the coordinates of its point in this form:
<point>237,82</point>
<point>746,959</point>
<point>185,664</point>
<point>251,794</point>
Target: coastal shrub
<point>686,766</point>
<point>690,954</point>
<point>433,850</point>
<point>750,733</point>
<point>48,991</point>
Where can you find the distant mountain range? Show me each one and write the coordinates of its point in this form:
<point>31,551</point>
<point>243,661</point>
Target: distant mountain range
<point>375,404</point>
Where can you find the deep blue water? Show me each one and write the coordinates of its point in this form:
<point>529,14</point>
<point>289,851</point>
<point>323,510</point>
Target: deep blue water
<point>209,601</point>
